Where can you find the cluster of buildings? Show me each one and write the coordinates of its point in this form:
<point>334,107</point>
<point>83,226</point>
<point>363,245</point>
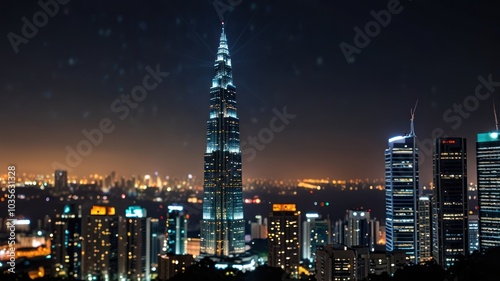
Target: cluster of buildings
<point>438,225</point>
<point>104,245</point>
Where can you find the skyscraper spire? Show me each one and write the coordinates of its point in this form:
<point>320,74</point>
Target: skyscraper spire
<point>412,112</point>
<point>222,226</point>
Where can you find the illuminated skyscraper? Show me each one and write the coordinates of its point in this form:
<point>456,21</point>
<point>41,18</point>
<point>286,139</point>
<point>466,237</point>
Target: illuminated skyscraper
<point>283,238</point>
<point>177,226</point>
<point>401,195</point>
<point>222,226</point>
<point>425,228</point>
<point>66,243</point>
<point>315,232</point>
<point>137,245</point>
<point>488,186</point>
<point>100,244</point>
<point>451,227</point>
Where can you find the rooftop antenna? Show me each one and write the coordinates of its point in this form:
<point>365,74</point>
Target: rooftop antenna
<point>412,113</point>
<point>495,113</point>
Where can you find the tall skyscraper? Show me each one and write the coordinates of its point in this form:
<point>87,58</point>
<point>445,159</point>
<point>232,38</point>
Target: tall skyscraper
<point>315,232</point>
<point>60,181</point>
<point>488,187</point>
<point>425,228</point>
<point>401,195</point>
<point>66,243</point>
<point>101,244</point>
<point>450,201</point>
<point>137,245</point>
<point>223,226</point>
<point>177,225</point>
<point>283,238</point>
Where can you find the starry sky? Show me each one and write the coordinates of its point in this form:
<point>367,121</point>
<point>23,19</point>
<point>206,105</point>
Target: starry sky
<point>87,54</point>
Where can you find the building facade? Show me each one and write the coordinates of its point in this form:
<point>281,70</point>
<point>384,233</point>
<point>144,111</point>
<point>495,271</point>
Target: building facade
<point>137,248</point>
<point>488,186</point>
<point>66,243</point>
<point>425,227</point>
<point>316,232</point>
<point>401,195</point>
<point>223,226</point>
<point>177,228</point>
<point>358,228</point>
<point>101,244</point>
<point>451,228</point>
<point>283,238</point>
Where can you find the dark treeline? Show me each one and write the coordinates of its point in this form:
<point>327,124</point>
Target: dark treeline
<point>475,267</point>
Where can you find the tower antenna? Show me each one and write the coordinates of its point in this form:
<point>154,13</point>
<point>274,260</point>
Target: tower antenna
<point>412,113</point>
<point>495,113</point>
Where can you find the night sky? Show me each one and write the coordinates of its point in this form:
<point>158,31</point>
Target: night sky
<point>284,53</point>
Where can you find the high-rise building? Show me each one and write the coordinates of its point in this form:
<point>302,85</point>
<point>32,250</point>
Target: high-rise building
<point>451,229</point>
<point>177,226</point>
<point>137,245</point>
<point>223,226</point>
<point>60,181</point>
<point>473,233</point>
<point>358,228</point>
<point>315,232</point>
<point>401,195</point>
<point>101,244</point>
<point>283,240</point>
<point>66,243</point>
<point>425,228</point>
<point>488,186</point>
<point>156,242</point>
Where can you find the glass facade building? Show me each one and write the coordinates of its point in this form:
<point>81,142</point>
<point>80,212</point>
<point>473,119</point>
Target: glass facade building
<point>450,225</point>
<point>402,195</point>
<point>177,228</point>
<point>222,226</point>
<point>66,243</point>
<point>488,186</point>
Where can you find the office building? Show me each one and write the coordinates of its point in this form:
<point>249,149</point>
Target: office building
<point>401,195</point>
<point>177,227</point>
<point>283,240</point>
<point>316,232</point>
<point>66,243</point>
<point>425,227</point>
<point>488,186</point>
<point>137,247</point>
<point>451,226</point>
<point>101,244</point>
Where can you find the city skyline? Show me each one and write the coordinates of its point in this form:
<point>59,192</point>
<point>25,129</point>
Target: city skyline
<point>340,140</point>
<point>51,89</point>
